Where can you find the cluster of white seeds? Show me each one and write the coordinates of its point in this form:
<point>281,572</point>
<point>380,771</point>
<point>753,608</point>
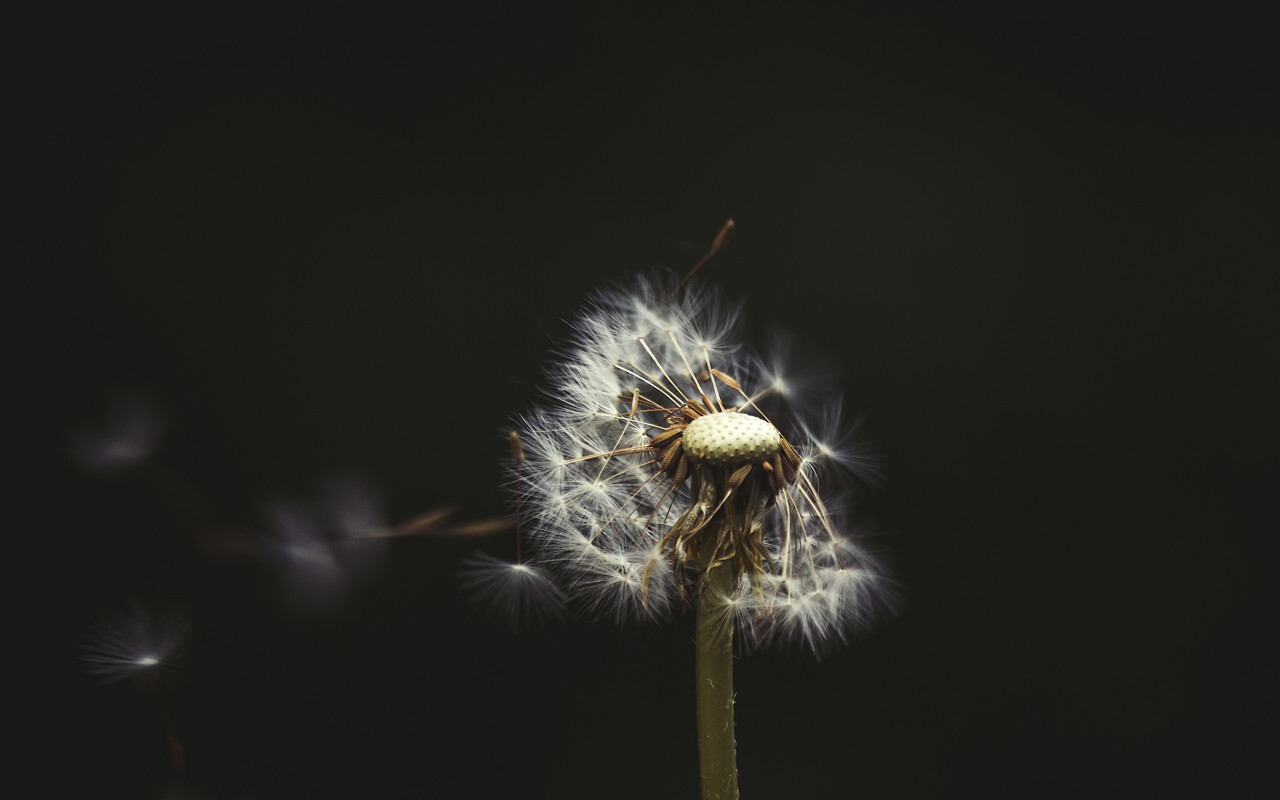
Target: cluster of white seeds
<point>595,505</point>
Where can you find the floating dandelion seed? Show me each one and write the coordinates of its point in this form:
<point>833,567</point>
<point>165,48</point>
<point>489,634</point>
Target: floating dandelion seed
<point>660,454</point>
<point>334,544</point>
<point>134,644</point>
<point>515,591</point>
<point>314,579</point>
<point>327,547</point>
<point>125,436</point>
<point>140,645</point>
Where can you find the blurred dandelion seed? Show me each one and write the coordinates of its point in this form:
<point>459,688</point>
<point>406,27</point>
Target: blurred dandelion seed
<point>139,645</point>
<point>512,590</point>
<point>127,433</point>
<point>134,644</point>
<point>338,541</point>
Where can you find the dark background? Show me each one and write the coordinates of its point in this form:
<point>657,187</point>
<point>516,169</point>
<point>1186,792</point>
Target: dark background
<point>1041,245</point>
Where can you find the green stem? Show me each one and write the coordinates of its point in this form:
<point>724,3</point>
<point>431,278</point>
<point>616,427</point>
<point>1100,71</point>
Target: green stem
<point>714,672</point>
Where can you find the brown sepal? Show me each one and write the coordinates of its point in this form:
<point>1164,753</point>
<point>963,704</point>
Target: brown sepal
<point>682,470</point>
<point>517,450</point>
<point>739,475</point>
<point>660,439</point>
<point>789,461</point>
<point>726,380</point>
<point>669,454</point>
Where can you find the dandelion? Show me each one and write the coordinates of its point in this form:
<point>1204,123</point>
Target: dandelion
<point>660,456</point>
<point>671,467</point>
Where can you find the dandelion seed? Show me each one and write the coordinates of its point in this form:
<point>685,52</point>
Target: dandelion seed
<point>134,644</point>
<point>516,592</point>
<point>313,576</point>
<point>139,645</point>
<point>355,518</point>
<point>126,435</point>
<point>512,590</point>
<point>327,547</point>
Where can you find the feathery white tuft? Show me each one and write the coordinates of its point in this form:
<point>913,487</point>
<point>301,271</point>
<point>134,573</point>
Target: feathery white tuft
<point>596,505</point>
<point>325,548</point>
<point>127,434</point>
<point>134,644</point>
<point>515,592</point>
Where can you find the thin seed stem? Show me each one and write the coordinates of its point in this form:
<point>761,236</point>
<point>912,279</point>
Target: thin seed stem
<point>722,239</point>
<point>717,757</point>
<point>517,456</point>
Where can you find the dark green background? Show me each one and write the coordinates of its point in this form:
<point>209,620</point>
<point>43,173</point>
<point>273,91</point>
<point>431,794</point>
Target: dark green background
<point>1041,245</point>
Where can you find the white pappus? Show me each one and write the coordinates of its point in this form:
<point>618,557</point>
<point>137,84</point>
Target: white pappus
<point>665,446</point>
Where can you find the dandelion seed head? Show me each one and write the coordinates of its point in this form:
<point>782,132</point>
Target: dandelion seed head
<point>664,444</point>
